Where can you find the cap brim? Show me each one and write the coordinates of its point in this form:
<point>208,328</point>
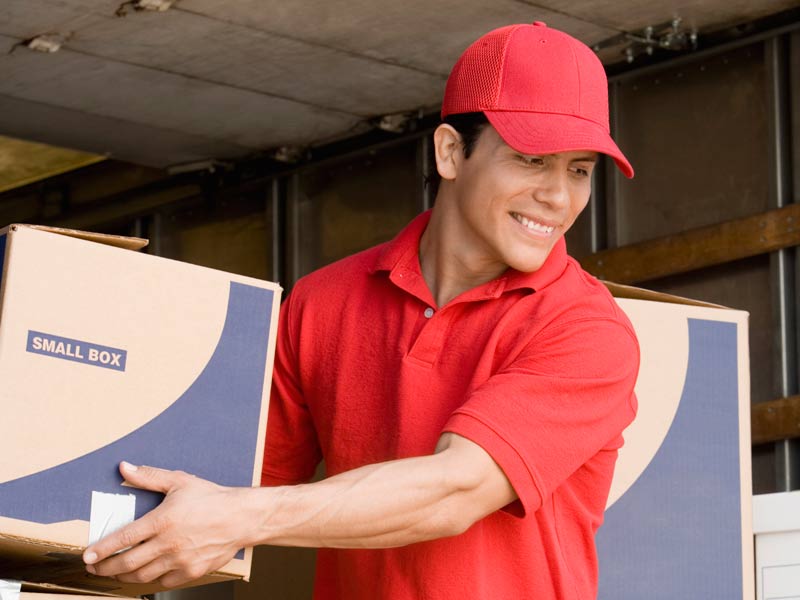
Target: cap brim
<point>548,133</point>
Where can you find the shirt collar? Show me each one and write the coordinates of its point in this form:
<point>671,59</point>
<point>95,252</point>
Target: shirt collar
<point>406,242</point>
<point>400,257</point>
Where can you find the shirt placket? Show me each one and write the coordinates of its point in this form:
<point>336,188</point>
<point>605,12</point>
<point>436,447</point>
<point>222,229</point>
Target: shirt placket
<point>426,348</point>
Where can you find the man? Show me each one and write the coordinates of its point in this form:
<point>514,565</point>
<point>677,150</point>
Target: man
<point>466,383</point>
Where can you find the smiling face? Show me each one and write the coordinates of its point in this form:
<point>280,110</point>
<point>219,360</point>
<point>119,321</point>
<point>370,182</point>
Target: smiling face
<point>509,209</point>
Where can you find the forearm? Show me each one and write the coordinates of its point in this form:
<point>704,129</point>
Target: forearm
<point>200,525</point>
<point>380,505</point>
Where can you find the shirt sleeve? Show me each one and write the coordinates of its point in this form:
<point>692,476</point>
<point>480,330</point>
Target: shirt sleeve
<point>291,451</point>
<point>567,396</point>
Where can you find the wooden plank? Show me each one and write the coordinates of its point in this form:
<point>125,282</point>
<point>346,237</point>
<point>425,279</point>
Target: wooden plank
<point>26,162</point>
<point>698,248</point>
<point>775,420</point>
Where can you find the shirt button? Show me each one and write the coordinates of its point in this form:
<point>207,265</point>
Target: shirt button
<point>428,312</point>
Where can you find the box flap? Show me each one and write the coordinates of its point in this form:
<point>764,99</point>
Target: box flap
<point>619,290</point>
<point>119,241</point>
<point>61,567</point>
<point>51,588</point>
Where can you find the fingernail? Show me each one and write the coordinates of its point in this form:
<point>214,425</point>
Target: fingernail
<point>89,558</point>
<point>91,569</point>
<point>128,466</point>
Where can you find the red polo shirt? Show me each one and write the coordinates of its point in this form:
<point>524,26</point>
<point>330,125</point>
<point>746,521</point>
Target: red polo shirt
<point>536,368</point>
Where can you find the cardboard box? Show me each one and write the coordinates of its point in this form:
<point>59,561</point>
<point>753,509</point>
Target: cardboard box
<point>678,521</point>
<point>25,590</point>
<point>776,525</point>
<point>108,355</point>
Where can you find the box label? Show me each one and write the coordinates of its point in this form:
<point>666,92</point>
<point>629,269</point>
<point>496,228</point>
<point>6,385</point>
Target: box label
<point>76,350</point>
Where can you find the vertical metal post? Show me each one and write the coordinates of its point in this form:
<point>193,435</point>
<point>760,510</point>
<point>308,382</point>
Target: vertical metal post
<point>608,222</point>
<point>277,208</point>
<point>294,266</point>
<point>156,232</point>
<point>794,112</point>
<point>424,172</point>
<point>782,263</point>
<point>138,228</point>
<point>598,207</point>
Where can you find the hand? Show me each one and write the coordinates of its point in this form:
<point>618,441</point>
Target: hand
<point>196,530</point>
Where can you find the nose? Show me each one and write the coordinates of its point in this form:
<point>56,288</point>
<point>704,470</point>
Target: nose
<point>553,188</point>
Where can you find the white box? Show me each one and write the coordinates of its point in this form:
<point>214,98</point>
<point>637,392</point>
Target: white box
<point>776,525</point>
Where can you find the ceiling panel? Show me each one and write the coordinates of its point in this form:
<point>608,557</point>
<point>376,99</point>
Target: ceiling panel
<point>226,78</point>
<point>180,42</point>
<point>164,100</point>
<point>27,18</point>
<point>145,145</point>
<point>705,15</point>
<point>417,33</point>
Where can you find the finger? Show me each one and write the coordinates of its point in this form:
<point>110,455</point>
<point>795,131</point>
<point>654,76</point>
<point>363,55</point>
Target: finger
<point>150,478</point>
<point>125,537</point>
<point>152,571</point>
<point>177,578</point>
<point>127,562</point>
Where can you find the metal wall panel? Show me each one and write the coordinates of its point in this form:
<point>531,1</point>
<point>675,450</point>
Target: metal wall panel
<point>697,136</point>
<point>700,138</point>
<point>341,207</point>
<point>233,235</point>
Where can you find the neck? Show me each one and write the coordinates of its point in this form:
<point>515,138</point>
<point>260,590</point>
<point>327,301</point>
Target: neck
<point>450,263</point>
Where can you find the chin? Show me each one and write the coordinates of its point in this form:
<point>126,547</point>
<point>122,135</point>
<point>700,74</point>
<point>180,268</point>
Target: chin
<point>528,259</point>
<point>528,265</point>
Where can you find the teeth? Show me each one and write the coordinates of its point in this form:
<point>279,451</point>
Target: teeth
<point>532,225</point>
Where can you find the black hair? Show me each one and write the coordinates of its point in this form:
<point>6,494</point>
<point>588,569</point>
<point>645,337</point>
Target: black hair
<point>469,126</point>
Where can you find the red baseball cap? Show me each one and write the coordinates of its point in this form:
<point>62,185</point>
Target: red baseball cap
<point>542,90</point>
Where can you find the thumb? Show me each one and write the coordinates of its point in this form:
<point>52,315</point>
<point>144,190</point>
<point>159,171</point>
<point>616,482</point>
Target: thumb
<point>148,478</point>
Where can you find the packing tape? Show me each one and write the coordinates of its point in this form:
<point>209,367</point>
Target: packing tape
<point>109,513</point>
<point>10,589</point>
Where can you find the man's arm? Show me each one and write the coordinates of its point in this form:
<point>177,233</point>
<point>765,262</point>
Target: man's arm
<point>200,526</point>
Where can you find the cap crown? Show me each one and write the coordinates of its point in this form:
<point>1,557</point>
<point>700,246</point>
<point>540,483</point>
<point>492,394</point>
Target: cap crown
<point>528,68</point>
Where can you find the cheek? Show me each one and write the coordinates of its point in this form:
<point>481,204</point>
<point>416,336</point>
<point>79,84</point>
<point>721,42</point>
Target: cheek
<point>579,201</point>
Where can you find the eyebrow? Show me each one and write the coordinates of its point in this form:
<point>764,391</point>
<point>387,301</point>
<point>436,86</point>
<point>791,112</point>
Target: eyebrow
<point>588,158</point>
<point>592,158</point>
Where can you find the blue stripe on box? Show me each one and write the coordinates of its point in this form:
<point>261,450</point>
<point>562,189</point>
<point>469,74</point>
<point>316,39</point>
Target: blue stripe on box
<point>677,532</point>
<point>76,350</point>
<point>210,431</point>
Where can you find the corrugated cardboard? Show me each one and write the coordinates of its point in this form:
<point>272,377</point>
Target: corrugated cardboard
<point>776,524</point>
<point>49,591</point>
<point>108,355</point>
<point>678,522</point>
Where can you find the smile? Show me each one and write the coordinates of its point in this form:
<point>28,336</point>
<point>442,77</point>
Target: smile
<point>533,225</point>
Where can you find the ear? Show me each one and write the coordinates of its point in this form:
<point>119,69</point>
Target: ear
<point>448,149</point>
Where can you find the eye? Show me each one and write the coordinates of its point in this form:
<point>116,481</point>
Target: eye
<point>531,160</point>
<point>582,171</point>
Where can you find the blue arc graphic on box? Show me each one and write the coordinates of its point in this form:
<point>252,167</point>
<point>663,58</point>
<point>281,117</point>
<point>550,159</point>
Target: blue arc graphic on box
<point>210,431</point>
<point>677,532</point>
